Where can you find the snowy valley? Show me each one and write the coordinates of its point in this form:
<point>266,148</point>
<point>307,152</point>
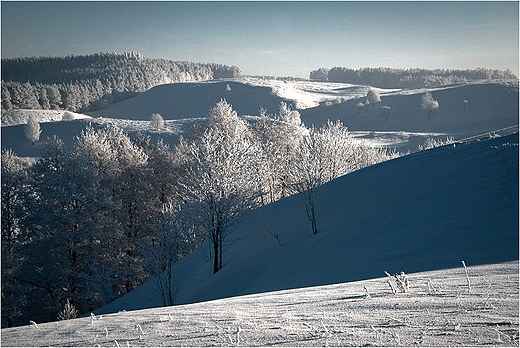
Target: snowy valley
<point>422,212</point>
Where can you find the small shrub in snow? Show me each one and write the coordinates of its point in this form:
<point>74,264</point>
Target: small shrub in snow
<point>385,112</point>
<point>464,105</point>
<point>429,105</point>
<point>367,294</point>
<point>467,275</point>
<point>431,143</point>
<point>431,288</point>
<point>359,107</point>
<point>68,312</point>
<point>277,236</point>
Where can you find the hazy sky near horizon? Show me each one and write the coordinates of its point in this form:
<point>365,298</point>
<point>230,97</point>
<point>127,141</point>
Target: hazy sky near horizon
<point>273,38</point>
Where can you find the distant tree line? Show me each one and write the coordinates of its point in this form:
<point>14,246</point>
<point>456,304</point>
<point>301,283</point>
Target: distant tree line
<point>92,82</point>
<point>407,78</point>
<point>87,223</point>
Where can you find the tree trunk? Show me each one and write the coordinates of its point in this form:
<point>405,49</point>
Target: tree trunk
<point>216,251</point>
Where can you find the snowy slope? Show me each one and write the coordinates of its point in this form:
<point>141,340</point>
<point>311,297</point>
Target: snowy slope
<point>491,106</point>
<point>424,211</point>
<point>438,310</point>
<point>189,100</point>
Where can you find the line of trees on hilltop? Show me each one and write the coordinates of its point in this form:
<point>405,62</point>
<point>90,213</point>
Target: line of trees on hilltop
<point>407,78</point>
<point>91,82</point>
<point>87,223</point>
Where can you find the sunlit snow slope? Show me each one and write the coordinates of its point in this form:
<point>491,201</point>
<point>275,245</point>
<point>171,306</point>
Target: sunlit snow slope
<point>425,211</point>
<point>490,106</point>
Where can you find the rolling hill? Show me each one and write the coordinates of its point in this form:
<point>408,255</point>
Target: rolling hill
<point>424,211</point>
<point>189,100</point>
<point>491,106</point>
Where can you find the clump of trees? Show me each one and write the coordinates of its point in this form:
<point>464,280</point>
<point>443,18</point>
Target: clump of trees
<point>111,212</point>
<point>92,82</point>
<point>407,78</point>
<point>373,97</point>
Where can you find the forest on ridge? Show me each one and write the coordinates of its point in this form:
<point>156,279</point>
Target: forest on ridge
<point>92,82</point>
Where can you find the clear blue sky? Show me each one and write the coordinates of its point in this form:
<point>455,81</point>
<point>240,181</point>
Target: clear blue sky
<point>273,38</point>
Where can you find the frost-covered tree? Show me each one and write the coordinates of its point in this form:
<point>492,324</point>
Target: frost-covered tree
<point>385,112</point>
<point>220,184</point>
<point>321,74</point>
<point>359,107</point>
<point>121,168</point>
<point>92,217</point>
<point>156,121</point>
<point>14,237</point>
<point>278,136</point>
<point>14,181</point>
<point>32,129</point>
<point>325,155</point>
<point>68,223</point>
<point>6,98</point>
<point>373,97</point>
<point>429,105</point>
<point>173,238</point>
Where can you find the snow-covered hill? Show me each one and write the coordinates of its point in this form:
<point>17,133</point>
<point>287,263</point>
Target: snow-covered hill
<point>424,211</point>
<point>189,100</point>
<point>438,310</point>
<point>491,106</point>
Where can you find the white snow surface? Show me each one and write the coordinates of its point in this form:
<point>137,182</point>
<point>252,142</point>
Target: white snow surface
<point>438,310</point>
<point>20,116</point>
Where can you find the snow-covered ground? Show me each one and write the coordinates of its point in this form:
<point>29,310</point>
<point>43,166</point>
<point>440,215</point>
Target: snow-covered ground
<point>20,116</point>
<point>438,310</point>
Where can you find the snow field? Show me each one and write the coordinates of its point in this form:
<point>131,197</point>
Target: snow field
<point>438,310</point>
